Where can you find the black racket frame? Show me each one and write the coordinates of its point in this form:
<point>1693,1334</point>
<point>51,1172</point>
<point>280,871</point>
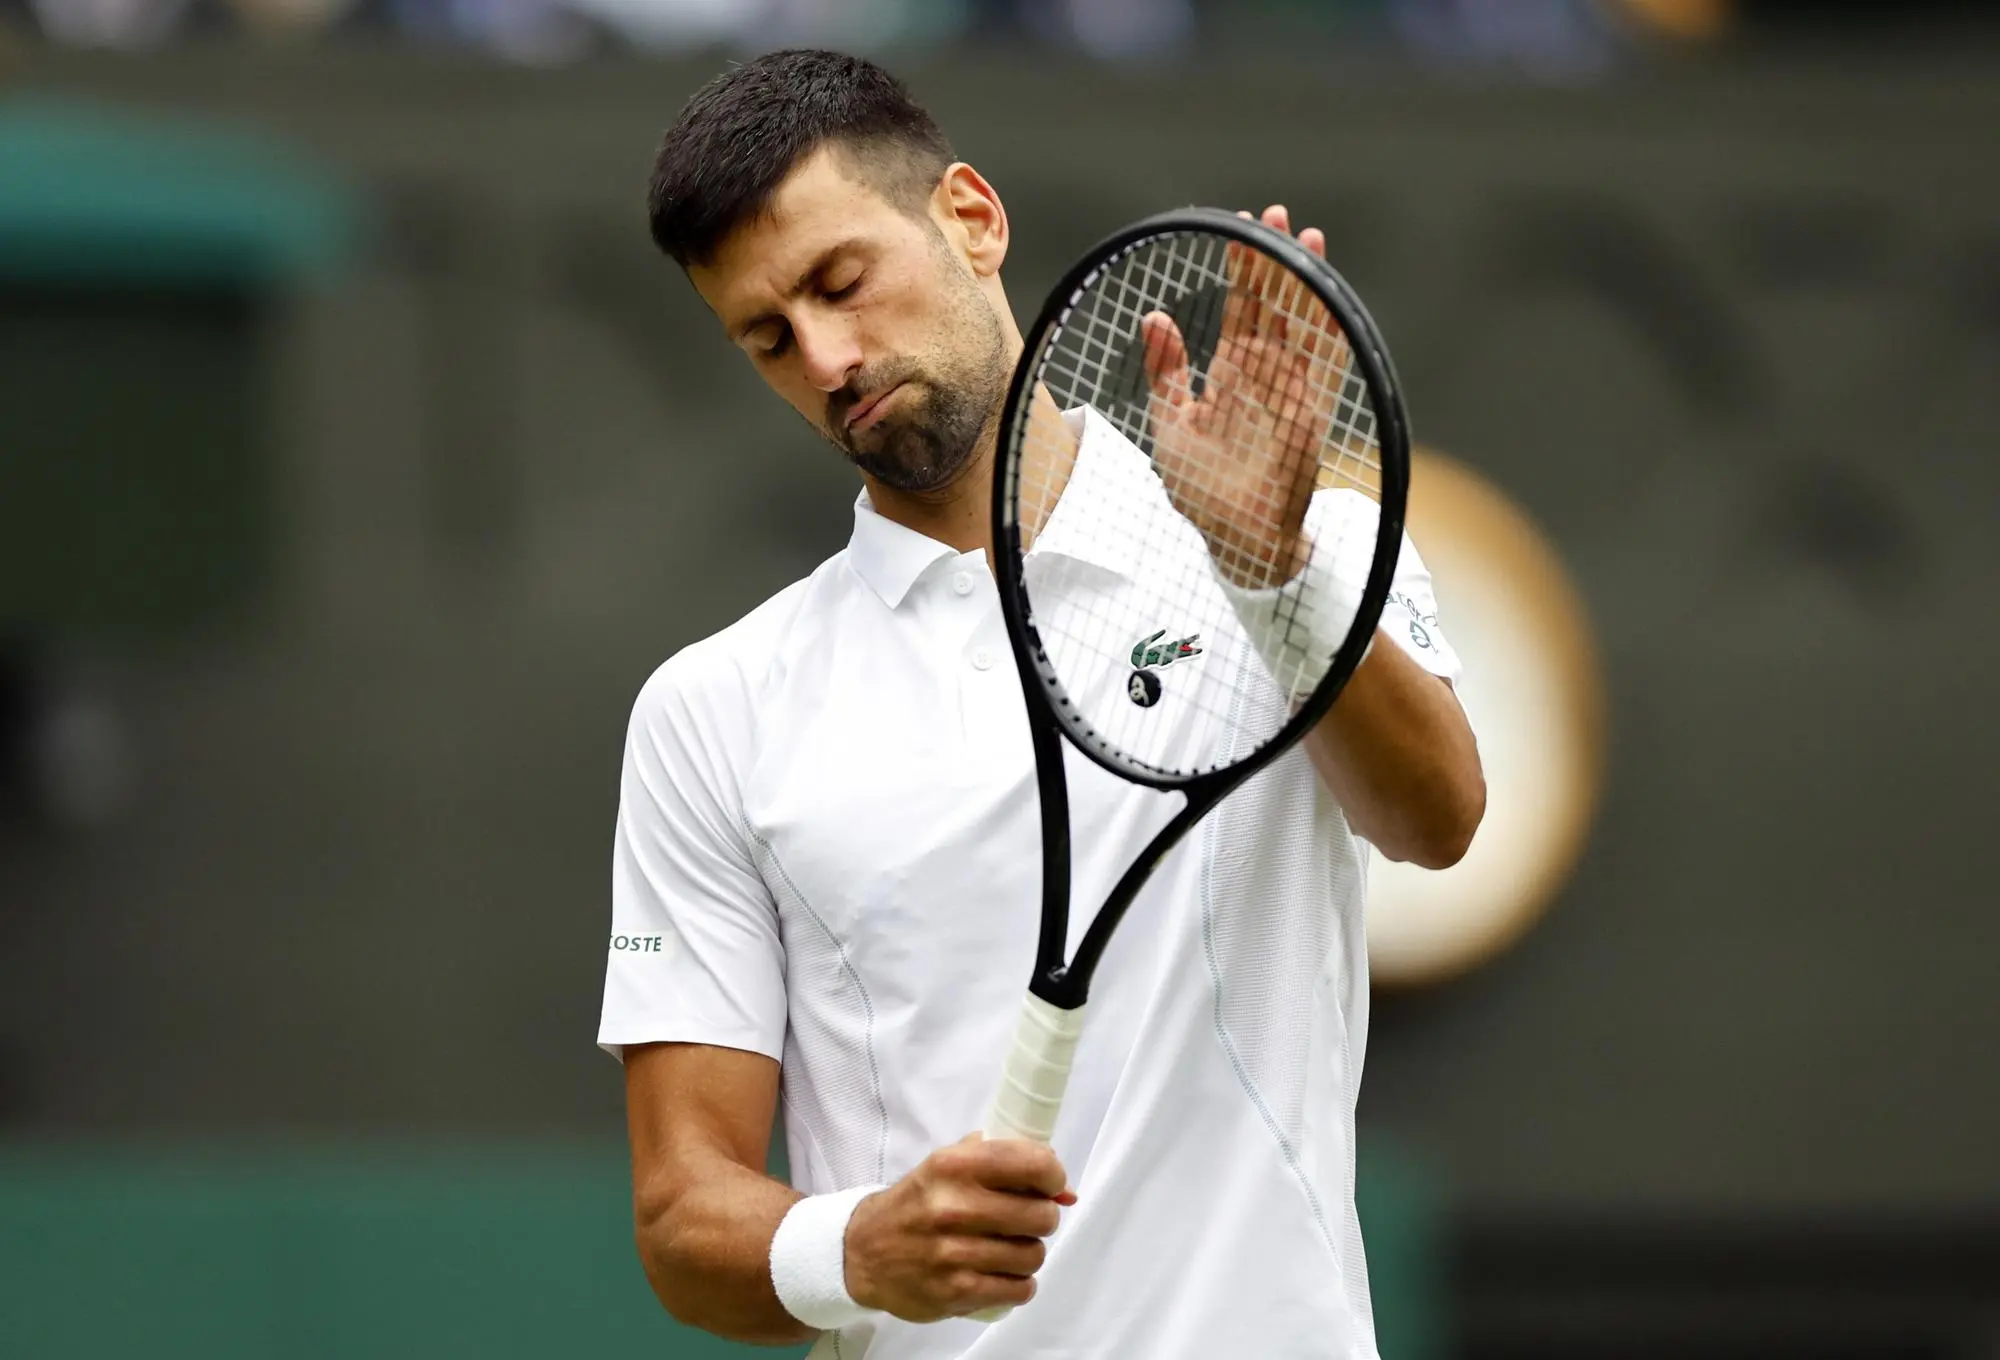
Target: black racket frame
<point>1065,983</point>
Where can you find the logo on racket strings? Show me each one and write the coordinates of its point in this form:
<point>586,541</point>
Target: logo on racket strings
<point>1150,652</point>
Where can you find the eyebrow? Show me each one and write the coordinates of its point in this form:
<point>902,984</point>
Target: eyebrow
<point>826,257</point>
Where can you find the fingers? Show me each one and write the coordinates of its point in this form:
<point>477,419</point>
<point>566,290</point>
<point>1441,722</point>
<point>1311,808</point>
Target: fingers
<point>1282,289</point>
<point>1265,297</point>
<point>1278,349</point>
<point>973,1211</point>
<point>993,1255</point>
<point>1290,310</point>
<point>973,1292</point>
<point>961,1233</point>
<point>1166,357</point>
<point>1251,273</point>
<point>1010,1164</point>
<point>991,1202</point>
<point>1224,395</point>
<point>1279,218</point>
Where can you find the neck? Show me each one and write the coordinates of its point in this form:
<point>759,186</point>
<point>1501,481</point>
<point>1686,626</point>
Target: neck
<point>960,516</point>
<point>1048,456</point>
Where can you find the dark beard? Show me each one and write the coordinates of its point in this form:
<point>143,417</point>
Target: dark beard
<point>927,446</point>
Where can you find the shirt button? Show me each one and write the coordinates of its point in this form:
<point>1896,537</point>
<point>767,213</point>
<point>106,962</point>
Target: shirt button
<point>982,660</point>
<point>962,583</point>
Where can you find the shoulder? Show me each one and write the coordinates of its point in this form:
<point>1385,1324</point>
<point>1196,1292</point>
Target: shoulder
<point>728,672</point>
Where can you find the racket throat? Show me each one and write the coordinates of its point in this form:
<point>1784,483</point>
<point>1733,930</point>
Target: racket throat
<point>1073,988</point>
<point>1051,968</point>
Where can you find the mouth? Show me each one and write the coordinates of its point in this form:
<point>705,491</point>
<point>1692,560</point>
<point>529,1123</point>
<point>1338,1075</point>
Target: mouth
<point>865,414</point>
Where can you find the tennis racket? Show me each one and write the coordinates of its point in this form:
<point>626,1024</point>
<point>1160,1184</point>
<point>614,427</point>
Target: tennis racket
<point>1250,490</point>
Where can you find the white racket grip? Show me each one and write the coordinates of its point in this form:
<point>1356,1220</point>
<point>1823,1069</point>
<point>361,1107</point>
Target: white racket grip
<point>1032,1082</point>
<point>1036,1072</point>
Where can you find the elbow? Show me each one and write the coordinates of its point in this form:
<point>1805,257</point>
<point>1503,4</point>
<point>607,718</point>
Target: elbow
<point>1442,838</point>
<point>680,1268</point>
<point>1468,810</point>
<point>652,1228</point>
<point>675,1284</point>
<point>1444,848</point>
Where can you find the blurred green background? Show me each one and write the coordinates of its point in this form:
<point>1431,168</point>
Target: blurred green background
<point>419,1252</point>
<point>358,461</point>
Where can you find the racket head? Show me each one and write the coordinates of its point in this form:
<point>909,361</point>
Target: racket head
<point>1368,415</point>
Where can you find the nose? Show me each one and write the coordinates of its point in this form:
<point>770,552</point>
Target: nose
<point>828,351</point>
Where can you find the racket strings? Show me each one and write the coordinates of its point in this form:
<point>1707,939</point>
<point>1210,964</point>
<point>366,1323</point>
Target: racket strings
<point>1254,401</point>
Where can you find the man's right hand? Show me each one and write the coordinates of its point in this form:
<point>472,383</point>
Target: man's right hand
<point>961,1233</point>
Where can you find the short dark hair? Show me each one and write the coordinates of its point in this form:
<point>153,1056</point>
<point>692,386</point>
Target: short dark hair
<point>744,131</point>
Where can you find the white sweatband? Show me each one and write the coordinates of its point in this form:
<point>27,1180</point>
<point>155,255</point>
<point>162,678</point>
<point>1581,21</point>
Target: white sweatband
<point>809,1259</point>
<point>1298,626</point>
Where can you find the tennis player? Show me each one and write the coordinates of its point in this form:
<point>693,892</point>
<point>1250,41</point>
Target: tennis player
<point>826,863</point>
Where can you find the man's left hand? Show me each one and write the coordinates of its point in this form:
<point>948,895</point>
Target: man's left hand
<point>1241,461</point>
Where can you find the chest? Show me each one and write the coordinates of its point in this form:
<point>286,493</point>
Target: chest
<point>896,789</point>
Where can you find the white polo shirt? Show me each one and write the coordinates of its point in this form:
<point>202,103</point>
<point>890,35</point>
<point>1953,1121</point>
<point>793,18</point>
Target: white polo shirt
<point>828,852</point>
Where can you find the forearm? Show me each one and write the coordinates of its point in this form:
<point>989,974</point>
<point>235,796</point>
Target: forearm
<point>1397,753</point>
<point>706,1242</point>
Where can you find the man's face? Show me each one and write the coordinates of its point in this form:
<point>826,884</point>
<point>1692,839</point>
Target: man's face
<point>864,318</point>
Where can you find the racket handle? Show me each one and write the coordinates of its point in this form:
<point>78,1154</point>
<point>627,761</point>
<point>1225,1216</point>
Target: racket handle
<point>1032,1082</point>
<point>1036,1073</point>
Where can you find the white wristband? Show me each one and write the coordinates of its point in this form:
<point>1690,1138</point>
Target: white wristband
<point>809,1259</point>
<point>1297,627</point>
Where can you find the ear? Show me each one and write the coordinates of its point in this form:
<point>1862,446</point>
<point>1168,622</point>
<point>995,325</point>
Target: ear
<point>972,218</point>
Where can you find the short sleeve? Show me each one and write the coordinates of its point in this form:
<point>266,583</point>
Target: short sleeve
<point>1410,614</point>
<point>695,953</point>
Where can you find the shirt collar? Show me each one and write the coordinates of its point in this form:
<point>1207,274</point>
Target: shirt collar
<point>890,556</point>
<point>1109,468</point>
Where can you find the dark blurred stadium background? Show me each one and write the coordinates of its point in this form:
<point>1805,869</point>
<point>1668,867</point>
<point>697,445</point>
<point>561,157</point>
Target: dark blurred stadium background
<point>358,461</point>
